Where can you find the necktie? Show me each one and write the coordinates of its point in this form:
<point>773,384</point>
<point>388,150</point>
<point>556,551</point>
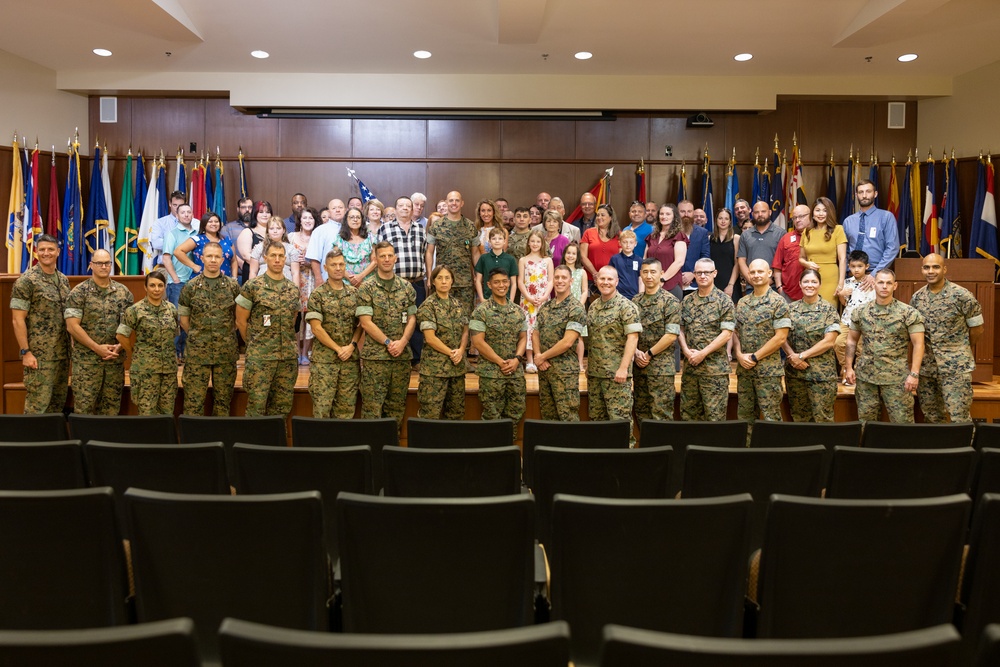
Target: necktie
<point>862,231</point>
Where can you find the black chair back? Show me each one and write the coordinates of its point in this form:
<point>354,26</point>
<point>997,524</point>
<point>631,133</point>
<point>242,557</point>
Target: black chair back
<point>900,473</point>
<point>986,435</point>
<point>988,474</point>
<point>981,582</point>
<point>147,430</point>
<point>576,435</point>
<point>883,435</point>
<point>376,433</point>
<point>41,466</point>
<point>679,435</point>
<point>48,427</point>
<point>460,434</point>
<point>269,431</point>
<point>452,473</point>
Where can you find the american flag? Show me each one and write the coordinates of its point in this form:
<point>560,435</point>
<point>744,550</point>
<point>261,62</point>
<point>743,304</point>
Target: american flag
<point>366,194</point>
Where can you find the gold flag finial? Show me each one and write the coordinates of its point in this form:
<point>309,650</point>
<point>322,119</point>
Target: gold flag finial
<point>775,142</point>
<point>795,140</point>
<point>756,157</point>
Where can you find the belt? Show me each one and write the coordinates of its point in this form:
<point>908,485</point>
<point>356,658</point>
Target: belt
<point>414,280</point>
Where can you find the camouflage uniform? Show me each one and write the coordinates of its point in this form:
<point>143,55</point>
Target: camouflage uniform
<point>97,384</point>
<point>559,385</point>
<point>385,378</point>
<point>758,389</point>
<point>441,393</point>
<point>517,244</point>
<point>813,391</point>
<point>154,363</point>
<point>211,343</point>
<point>453,242</point>
<point>882,367</point>
<point>705,387</point>
<point>660,314</point>
<point>333,384</point>
<point>43,297</point>
<point>501,395</point>
<point>608,325</point>
<point>272,352</point>
<point>945,386</point>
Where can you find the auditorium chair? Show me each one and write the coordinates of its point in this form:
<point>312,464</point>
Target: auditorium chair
<point>199,468</point>
<point>883,435</point>
<point>602,473</point>
<point>259,558</point>
<point>436,565</point>
<point>260,469</point>
<point>40,466</point>
<point>989,648</point>
<point>671,565</point>
<point>452,473</point>
<point>928,647</point>
<point>900,473</point>
<point>247,644</point>
<point>721,471</point>
<point>269,431</point>
<point>50,427</point>
<point>981,581</point>
<point>988,474</point>
<point>159,644</point>
<point>62,564</point>
<point>987,435</point>
<point>147,430</point>
<point>459,434</point>
<point>851,568</point>
<point>681,434</point>
<point>376,433</point>
<point>802,434</point>
<point>578,435</point>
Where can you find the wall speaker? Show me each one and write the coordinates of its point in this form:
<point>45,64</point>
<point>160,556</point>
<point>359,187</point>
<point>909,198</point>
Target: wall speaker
<point>109,109</point>
<point>897,115</point>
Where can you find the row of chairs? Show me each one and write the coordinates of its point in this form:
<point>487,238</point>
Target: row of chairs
<point>828,568</point>
<point>172,643</point>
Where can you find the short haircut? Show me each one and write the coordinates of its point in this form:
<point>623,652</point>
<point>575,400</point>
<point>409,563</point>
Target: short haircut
<point>400,197</point>
<point>858,256</point>
<point>382,245</point>
<point>418,196</point>
<point>243,199</point>
<point>651,260</point>
<point>268,244</point>
<point>498,230</point>
<point>705,261</point>
<point>159,274</point>
<point>177,194</point>
<point>627,234</point>
<point>863,181</point>
<point>498,271</point>
<point>888,272</point>
<point>563,267</point>
<point>46,238</point>
<point>522,209</point>
<point>333,253</point>
<point>501,199</point>
<point>213,244</point>
<point>300,194</point>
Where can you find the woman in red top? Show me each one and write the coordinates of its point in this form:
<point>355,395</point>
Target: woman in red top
<point>600,243</point>
<point>668,244</point>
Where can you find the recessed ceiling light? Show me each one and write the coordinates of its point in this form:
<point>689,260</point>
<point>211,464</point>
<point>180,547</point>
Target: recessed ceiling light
<point>583,55</point>
<point>907,57</point>
<point>260,54</point>
<point>742,57</point>
<point>102,52</point>
<point>423,55</point>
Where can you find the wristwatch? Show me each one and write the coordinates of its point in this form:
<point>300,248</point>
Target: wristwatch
<point>753,357</point>
<point>386,342</point>
<point>649,353</point>
<point>23,352</point>
<point>914,375</point>
<point>354,343</point>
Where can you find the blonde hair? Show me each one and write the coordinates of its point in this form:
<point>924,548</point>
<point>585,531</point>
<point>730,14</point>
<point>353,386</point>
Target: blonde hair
<point>627,234</point>
<point>544,250</point>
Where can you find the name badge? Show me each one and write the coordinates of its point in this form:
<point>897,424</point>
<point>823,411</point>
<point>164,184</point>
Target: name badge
<point>267,320</point>
<point>871,233</point>
<point>404,317</point>
<point>792,239</point>
<point>635,265</point>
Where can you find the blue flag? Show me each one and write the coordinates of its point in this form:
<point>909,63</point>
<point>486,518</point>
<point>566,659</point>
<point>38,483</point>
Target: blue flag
<point>707,204</point>
<point>140,187</point>
<point>950,215</point>
<point>906,223</point>
<point>755,194</point>
<point>219,203</point>
<point>95,220</point>
<point>873,177</point>
<point>984,218</point>
<point>681,185</point>
<point>850,194</point>
<point>163,206</point>
<point>73,261</point>
<point>732,186</point>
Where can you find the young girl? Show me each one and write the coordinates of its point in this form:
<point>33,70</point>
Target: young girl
<point>308,220</point>
<point>276,233</point>
<point>579,289</point>
<point>534,282</point>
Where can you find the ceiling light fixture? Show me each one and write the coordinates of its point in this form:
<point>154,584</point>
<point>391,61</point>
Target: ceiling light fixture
<point>423,55</point>
<point>742,57</point>
<point>907,57</point>
<point>260,54</point>
<point>583,55</point>
<point>102,52</point>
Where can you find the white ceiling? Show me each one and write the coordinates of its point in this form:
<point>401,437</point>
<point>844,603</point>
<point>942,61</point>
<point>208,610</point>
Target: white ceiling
<point>804,43</point>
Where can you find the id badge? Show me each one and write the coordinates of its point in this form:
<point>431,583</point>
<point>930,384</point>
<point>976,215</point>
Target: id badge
<point>267,320</point>
<point>635,265</point>
<point>872,232</point>
<point>404,318</point>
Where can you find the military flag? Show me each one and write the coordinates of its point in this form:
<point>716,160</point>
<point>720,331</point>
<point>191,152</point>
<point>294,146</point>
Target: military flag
<point>244,189</point>
<point>796,193</point>
<point>150,214</point>
<point>180,175</point>
<point>930,241</point>
<point>707,204</point>
<point>15,213</point>
<point>108,236</point>
<point>219,200</point>
<point>906,221</point>
<point>54,225</point>
<point>34,226</point>
<point>96,233</point>
<point>73,259</point>
<point>197,196</point>
<point>893,206</point>
<point>640,182</point>
<point>682,184</point>
<point>755,193</point>
<point>601,192</point>
<point>126,252</point>
<point>950,220</point>
<point>162,205</point>
<point>850,204</point>
<point>984,217</point>
<point>778,189</point>
<point>732,184</point>
<point>873,175</point>
<point>831,181</point>
<point>139,199</point>
<point>209,171</point>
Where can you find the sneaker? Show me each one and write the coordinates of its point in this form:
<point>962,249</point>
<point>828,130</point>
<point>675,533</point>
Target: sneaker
<point>847,384</point>
<point>531,368</point>
<point>303,360</point>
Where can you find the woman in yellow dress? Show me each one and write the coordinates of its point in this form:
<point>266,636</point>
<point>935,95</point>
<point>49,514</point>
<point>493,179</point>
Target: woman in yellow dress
<point>824,249</point>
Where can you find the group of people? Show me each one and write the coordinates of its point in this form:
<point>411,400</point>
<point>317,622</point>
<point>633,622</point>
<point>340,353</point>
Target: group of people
<point>364,298</point>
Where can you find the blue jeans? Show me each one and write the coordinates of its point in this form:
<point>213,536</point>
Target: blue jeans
<point>173,296</point>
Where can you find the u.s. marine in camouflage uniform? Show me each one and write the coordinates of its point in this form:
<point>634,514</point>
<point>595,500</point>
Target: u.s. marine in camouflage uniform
<point>442,319</point>
<point>884,327</point>
<point>37,301</point>
<point>953,322</point>
<point>762,324</point>
<point>613,328</point>
<point>94,309</point>
<point>207,308</point>
<point>335,371</point>
<point>559,324</point>
<point>811,365</point>
<point>707,322</point>
<point>654,368</point>
<point>265,316</point>
<point>499,332</point>
<point>153,375</point>
<point>387,309</point>
<point>456,241</point>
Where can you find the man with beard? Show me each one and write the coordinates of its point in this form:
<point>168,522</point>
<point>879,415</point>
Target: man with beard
<point>232,229</point>
<point>758,242</point>
<point>872,230</point>
<point>698,246</point>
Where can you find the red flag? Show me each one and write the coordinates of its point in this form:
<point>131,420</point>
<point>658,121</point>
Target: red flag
<point>640,182</point>
<point>199,198</point>
<point>600,192</point>
<point>54,227</point>
<point>36,224</point>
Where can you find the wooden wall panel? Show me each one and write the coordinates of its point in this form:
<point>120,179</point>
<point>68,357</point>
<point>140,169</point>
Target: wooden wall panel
<point>319,181</point>
<point>387,180</point>
<point>117,136</point>
<point>390,138</point>
<point>475,181</point>
<point>320,137</point>
<point>538,139</point>
<point>521,183</point>
<point>826,126</point>
<point>626,138</point>
<point>478,139</point>
<point>229,130</point>
<point>887,141</point>
<point>167,124</point>
<point>262,182</point>
<point>747,132</point>
<point>688,144</point>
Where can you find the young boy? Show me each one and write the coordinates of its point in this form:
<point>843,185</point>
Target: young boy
<point>491,260</point>
<point>627,265</point>
<point>851,297</point>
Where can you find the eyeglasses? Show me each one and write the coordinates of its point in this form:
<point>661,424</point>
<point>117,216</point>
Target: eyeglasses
<point>101,263</point>
<point>704,273</point>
